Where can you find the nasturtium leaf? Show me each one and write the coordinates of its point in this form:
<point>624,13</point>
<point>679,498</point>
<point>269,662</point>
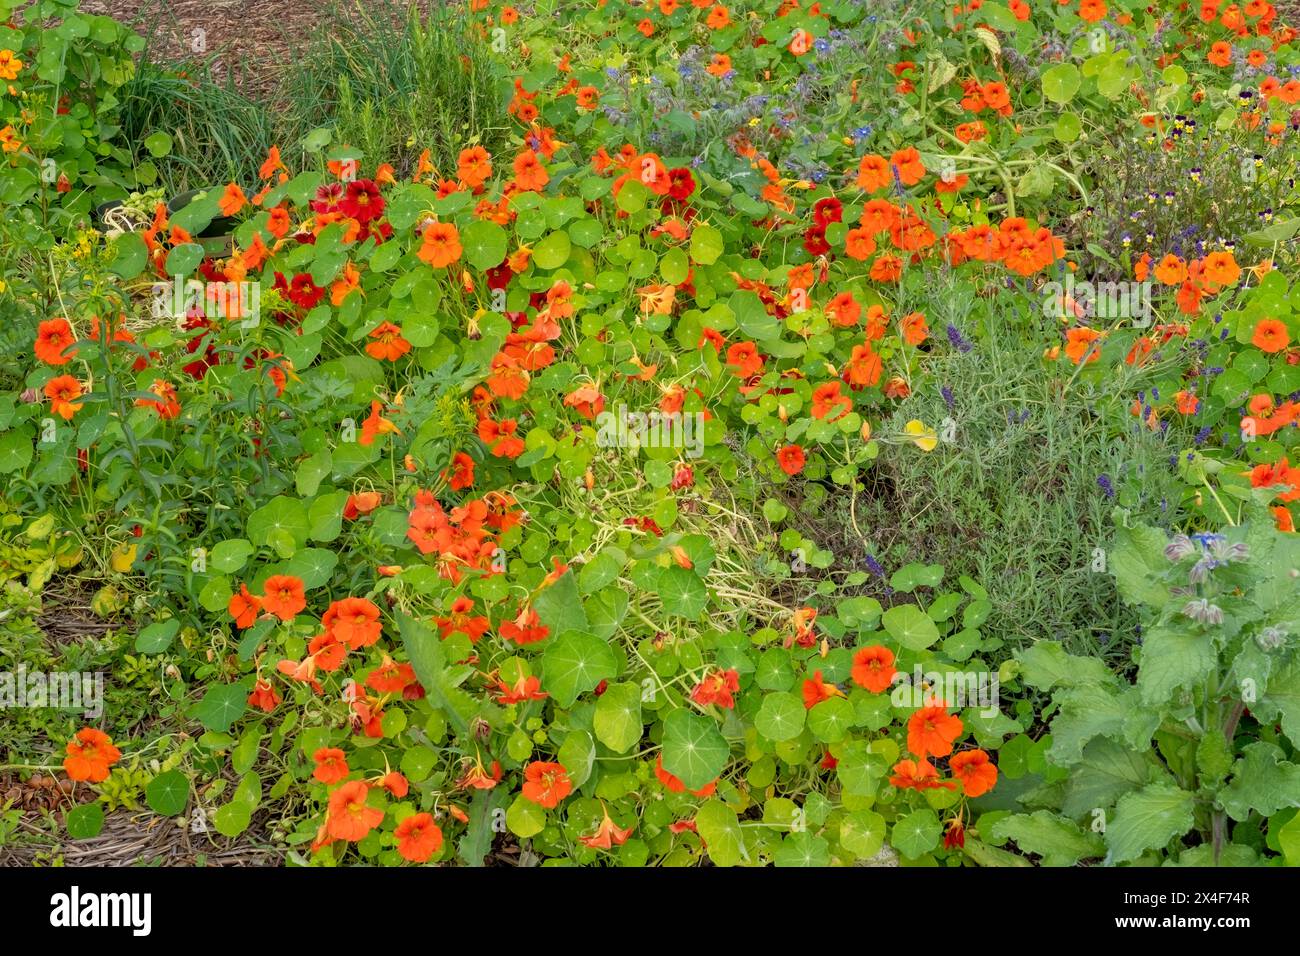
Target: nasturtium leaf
<point>917,833</point>
<point>574,663</point>
<point>674,266</point>
<point>484,244</point>
<point>168,793</point>
<point>862,833</point>
<point>1061,82</point>
<point>85,822</point>
<point>232,819</point>
<point>706,244</point>
<point>524,818</point>
<point>230,555</point>
<point>559,606</point>
<point>682,592</point>
<point>780,717</point>
<point>289,516</point>
<point>130,255</point>
<point>831,719</point>
<point>553,251</point>
<point>720,830</point>
<point>157,637</point>
<point>221,706</point>
<point>617,719</point>
<point>184,259</point>
<point>693,749</point>
<point>910,626</point>
<point>803,849</point>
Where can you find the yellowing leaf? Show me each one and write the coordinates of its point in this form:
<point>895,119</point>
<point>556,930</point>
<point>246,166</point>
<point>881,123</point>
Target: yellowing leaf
<point>123,557</point>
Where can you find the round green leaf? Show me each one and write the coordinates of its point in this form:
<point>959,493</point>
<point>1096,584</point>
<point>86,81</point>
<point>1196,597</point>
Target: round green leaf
<point>780,717</point>
<point>617,720</point>
<point>720,830</point>
<point>575,663</point>
<point>831,719</point>
<point>862,833</point>
<point>693,749</point>
<point>1061,82</point>
<point>168,793</point>
<point>917,833</point>
<point>85,821</point>
<point>484,243</point>
<point>157,637</point>
<point>910,626</point>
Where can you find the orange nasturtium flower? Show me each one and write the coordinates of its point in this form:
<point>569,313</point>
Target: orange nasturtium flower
<point>908,163</point>
<point>546,784</point>
<point>530,174</point>
<point>1270,336</point>
<point>63,393</point>
<point>89,755</point>
<point>244,607</point>
<point>440,245</point>
<point>331,765</point>
<point>873,668</point>
<point>375,425</point>
<point>473,166</point>
<point>232,200</point>
<point>419,838</point>
<point>975,771</point>
<point>918,775</point>
<point>607,836</point>
<point>283,596</point>
<point>52,339</point>
<point>353,621</point>
<point>388,344</point>
<point>718,688</point>
<point>931,731</point>
<point>349,817</point>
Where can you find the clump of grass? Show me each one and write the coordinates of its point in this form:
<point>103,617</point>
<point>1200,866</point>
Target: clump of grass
<point>393,84</point>
<point>218,133</point>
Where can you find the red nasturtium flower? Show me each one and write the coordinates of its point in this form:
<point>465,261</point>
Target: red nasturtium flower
<point>89,755</point>
<point>873,668</point>
<point>791,459</point>
<point>717,688</point>
<point>546,784</point>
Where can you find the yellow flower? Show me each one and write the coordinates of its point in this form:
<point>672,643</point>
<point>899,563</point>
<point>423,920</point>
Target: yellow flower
<point>923,437</point>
